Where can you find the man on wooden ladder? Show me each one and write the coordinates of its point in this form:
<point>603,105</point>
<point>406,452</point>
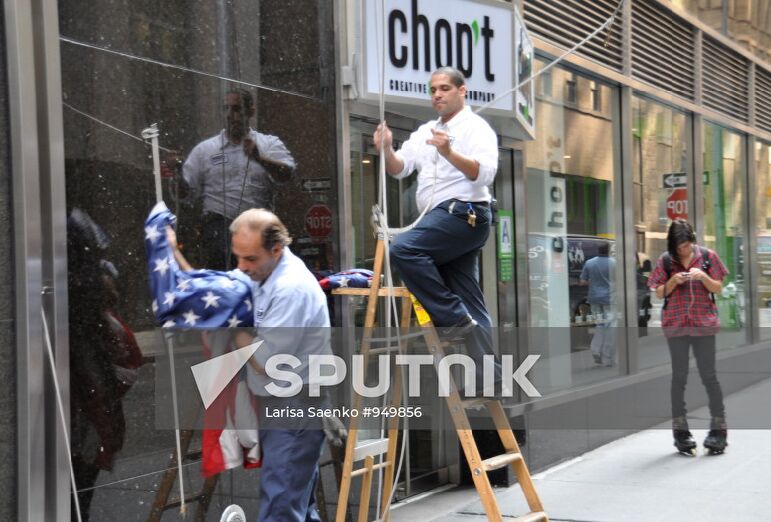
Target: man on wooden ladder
<point>456,157</point>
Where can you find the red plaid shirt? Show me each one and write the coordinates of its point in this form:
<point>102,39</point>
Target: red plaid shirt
<point>689,310</point>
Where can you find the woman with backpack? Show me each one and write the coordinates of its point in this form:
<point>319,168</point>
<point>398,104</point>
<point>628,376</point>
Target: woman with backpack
<point>687,276</point>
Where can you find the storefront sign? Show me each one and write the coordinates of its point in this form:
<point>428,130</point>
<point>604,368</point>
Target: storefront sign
<point>505,245</point>
<point>480,38</point>
<point>318,221</point>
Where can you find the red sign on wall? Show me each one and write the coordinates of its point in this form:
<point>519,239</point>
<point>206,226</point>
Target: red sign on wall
<point>318,221</point>
<point>677,204</point>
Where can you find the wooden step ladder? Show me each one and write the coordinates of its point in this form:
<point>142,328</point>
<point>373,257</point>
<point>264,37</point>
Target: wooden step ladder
<point>357,451</point>
<point>203,497</point>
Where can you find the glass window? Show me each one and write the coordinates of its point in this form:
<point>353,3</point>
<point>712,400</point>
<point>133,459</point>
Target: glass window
<point>570,91</point>
<point>545,84</point>
<point>206,73</point>
<point>659,176</point>
<point>571,171</point>
<point>724,224</point>
<point>596,97</point>
<point>763,232</point>
<point>763,221</point>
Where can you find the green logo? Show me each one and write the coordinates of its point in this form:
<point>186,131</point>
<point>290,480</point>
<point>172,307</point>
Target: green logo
<point>475,28</point>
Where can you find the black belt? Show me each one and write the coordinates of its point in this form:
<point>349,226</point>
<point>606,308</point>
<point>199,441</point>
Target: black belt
<point>477,203</point>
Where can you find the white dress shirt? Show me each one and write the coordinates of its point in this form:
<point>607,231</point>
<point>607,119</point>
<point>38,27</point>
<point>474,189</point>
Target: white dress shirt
<point>471,136</point>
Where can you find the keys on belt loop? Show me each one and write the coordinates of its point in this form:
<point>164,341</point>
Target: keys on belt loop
<point>472,216</point>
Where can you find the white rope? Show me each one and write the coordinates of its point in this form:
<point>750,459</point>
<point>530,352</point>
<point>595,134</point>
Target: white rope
<point>63,420</point>
<point>564,55</point>
<point>380,216</point>
<point>113,127</point>
<point>134,478</point>
<point>181,68</point>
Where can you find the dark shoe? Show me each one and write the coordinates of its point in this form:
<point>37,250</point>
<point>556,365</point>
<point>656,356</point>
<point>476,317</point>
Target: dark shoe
<point>717,438</point>
<point>459,331</point>
<point>683,439</point>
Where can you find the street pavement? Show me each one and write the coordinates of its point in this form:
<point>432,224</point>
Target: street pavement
<point>638,478</point>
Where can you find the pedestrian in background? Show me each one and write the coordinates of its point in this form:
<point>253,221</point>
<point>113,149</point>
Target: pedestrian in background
<point>687,277</point>
<point>599,273</point>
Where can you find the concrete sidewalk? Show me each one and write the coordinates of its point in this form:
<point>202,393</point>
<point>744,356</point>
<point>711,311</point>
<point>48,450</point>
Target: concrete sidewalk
<point>639,478</point>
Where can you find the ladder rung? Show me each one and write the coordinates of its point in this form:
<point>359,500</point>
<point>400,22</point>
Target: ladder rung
<point>500,461</point>
<point>535,516</point>
<point>369,447</point>
<point>398,291</point>
<point>384,349</point>
<point>188,500</point>
<point>403,337</point>
<point>362,471</point>
<point>476,402</point>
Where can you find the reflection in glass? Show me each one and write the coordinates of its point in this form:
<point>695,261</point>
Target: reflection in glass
<point>659,174</point>
<point>724,224</point>
<point>570,219</point>
<point>104,355</point>
<point>125,65</point>
<point>237,169</point>
<point>763,232</point>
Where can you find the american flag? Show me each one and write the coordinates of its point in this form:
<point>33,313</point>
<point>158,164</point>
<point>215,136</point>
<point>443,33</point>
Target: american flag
<point>197,298</point>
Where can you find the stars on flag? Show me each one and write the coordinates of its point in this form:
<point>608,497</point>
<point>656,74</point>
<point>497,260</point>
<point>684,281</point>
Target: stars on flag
<point>195,298</point>
<point>162,265</point>
<point>168,298</point>
<point>211,300</point>
<point>152,233</point>
<point>190,317</point>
